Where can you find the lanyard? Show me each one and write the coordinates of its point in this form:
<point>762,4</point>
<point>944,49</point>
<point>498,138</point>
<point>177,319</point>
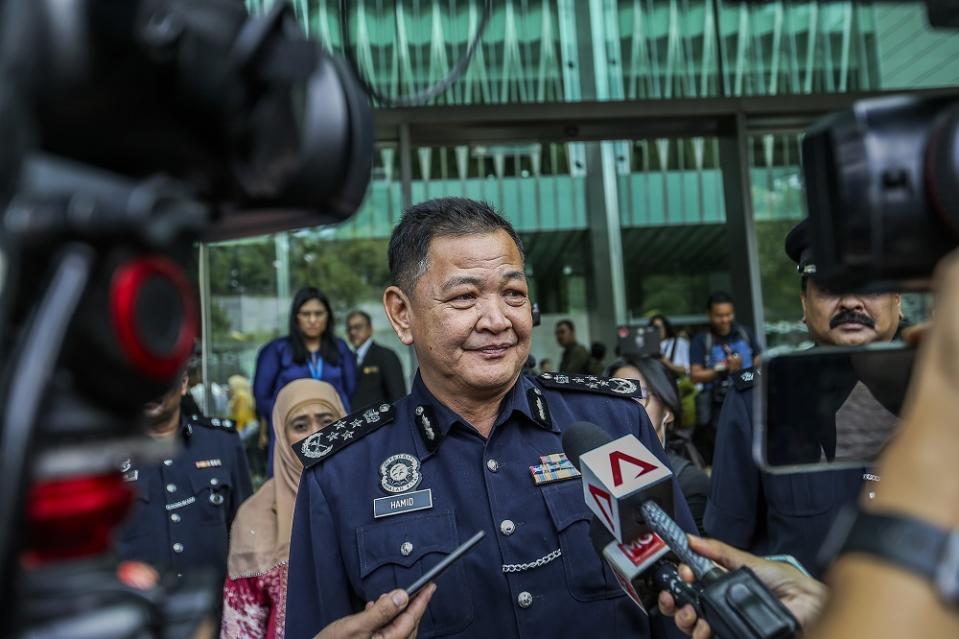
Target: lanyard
<point>316,366</point>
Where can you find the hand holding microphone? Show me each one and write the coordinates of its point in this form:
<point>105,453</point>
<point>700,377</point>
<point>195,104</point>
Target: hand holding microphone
<point>627,486</point>
<point>801,594</point>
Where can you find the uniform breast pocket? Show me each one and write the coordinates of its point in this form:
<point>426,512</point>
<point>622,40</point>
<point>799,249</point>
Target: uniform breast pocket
<point>394,554</point>
<point>212,492</point>
<point>587,576</point>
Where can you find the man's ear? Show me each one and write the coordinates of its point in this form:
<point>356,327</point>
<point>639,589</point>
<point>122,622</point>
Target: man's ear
<point>399,310</point>
<point>184,384</point>
<point>802,300</point>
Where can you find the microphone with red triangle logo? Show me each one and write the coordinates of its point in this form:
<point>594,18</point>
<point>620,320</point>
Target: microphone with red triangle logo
<point>630,491</point>
<point>618,477</point>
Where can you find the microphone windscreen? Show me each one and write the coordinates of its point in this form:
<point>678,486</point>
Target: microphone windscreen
<point>582,437</point>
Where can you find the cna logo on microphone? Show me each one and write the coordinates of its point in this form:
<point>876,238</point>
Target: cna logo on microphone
<point>617,477</point>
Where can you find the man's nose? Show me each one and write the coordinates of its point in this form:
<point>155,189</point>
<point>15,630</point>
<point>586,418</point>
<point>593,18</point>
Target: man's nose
<point>493,317</point>
<point>851,302</point>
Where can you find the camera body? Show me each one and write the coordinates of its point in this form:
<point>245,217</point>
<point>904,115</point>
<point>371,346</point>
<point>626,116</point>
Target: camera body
<point>133,130</point>
<point>882,182</point>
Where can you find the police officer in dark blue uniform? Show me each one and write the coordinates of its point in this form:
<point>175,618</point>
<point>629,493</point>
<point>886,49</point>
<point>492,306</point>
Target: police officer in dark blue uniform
<point>186,503</point>
<point>389,491</point>
<point>791,514</point>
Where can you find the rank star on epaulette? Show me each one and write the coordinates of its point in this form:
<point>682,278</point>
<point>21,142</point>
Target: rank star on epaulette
<point>616,386</point>
<point>341,434</point>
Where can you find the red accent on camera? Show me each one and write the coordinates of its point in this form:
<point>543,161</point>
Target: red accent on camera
<point>126,287</point>
<point>75,517</point>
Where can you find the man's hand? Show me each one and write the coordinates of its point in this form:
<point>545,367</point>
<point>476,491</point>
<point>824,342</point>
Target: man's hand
<point>392,616</point>
<point>802,595</point>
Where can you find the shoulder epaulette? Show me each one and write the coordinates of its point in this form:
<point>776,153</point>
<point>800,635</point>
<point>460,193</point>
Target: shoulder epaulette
<point>342,433</point>
<point>215,423</point>
<point>746,379</point>
<point>616,386</point>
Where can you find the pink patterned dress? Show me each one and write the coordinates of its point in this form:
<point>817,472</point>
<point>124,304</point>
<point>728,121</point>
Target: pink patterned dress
<point>254,607</point>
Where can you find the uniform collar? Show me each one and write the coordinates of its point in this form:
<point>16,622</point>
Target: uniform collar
<point>433,420</point>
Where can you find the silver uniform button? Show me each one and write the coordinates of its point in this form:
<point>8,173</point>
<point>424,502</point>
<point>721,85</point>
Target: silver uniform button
<point>171,488</point>
<point>493,465</point>
<point>175,518</point>
<point>178,547</point>
<point>525,600</point>
<point>406,549</point>
<point>214,481</point>
<point>507,527</point>
<point>167,462</point>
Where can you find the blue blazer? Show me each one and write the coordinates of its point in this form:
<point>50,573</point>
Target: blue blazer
<point>275,369</point>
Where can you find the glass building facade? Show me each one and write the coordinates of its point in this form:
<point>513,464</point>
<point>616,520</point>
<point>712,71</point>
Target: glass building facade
<point>647,151</point>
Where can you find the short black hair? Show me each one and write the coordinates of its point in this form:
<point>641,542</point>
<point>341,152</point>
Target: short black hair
<point>718,297</point>
<point>567,322</point>
<point>363,314</point>
<point>670,331</point>
<point>442,217</point>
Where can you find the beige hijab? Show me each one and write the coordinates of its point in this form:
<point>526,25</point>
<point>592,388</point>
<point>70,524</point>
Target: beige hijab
<point>260,536</point>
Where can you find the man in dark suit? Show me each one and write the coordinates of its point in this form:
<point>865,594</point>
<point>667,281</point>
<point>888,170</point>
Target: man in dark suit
<point>378,370</point>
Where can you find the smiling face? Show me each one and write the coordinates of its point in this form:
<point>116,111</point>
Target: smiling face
<point>721,318</point>
<point>469,316</point>
<point>849,319</point>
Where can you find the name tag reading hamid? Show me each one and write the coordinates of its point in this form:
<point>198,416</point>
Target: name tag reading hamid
<point>403,503</point>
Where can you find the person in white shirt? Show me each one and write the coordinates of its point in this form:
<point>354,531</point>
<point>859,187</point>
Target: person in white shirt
<point>675,349</point>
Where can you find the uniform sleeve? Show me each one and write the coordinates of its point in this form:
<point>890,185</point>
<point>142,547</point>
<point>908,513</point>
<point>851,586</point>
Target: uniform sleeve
<point>393,376</point>
<point>647,436</point>
<point>264,379</point>
<point>697,350</point>
<point>735,492</point>
<point>312,604</point>
<point>242,484</point>
<point>348,362</point>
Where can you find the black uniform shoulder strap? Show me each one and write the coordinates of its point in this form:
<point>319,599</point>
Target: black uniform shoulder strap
<point>342,433</point>
<point>615,386</point>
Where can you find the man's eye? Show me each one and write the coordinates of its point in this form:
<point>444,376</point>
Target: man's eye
<point>463,298</point>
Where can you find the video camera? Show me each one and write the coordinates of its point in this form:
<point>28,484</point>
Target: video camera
<point>882,183</point>
<point>131,130</point>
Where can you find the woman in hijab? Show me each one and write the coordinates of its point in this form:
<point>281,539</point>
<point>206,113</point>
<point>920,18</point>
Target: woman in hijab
<point>254,595</point>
